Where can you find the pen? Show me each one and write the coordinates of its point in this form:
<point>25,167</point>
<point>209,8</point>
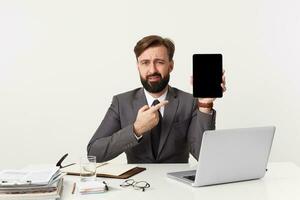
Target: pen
<point>68,165</point>
<point>74,186</point>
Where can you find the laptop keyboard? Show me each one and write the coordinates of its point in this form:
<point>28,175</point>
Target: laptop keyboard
<point>192,177</point>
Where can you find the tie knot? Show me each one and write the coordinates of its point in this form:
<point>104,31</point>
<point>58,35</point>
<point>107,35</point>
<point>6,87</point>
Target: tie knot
<point>155,102</point>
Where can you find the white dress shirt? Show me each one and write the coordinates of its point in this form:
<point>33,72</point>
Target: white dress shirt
<point>150,100</point>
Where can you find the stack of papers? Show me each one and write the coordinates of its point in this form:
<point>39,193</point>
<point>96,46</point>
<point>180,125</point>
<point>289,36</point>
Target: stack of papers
<point>91,187</point>
<point>43,183</point>
<point>42,176</point>
<point>32,192</point>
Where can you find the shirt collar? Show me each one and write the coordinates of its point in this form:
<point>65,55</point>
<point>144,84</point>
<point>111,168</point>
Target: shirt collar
<point>150,99</point>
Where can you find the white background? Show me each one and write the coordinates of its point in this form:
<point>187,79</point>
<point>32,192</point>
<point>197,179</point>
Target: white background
<point>62,61</point>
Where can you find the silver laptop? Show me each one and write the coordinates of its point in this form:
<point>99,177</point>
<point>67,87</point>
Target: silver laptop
<point>230,155</point>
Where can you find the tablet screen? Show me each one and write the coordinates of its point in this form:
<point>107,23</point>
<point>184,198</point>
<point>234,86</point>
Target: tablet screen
<point>207,75</point>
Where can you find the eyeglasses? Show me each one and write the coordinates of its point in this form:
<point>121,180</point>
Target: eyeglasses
<point>138,185</point>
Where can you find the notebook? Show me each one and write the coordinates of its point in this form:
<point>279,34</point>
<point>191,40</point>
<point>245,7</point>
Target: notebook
<point>120,171</point>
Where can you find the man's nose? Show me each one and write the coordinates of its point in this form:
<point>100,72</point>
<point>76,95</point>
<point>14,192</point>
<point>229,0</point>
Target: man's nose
<point>152,68</point>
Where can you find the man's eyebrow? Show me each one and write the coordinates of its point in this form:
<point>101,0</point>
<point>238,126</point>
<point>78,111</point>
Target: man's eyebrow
<point>144,59</point>
<point>155,59</point>
<point>159,59</point>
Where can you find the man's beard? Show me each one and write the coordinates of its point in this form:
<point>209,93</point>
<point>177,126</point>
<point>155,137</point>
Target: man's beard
<point>155,87</point>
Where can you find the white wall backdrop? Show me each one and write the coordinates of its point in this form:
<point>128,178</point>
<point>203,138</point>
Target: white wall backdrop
<point>62,61</point>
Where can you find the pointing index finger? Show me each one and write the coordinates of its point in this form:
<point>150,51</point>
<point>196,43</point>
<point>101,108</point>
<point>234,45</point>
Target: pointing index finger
<point>158,106</point>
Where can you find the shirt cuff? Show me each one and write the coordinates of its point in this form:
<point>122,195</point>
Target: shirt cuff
<point>210,113</point>
<point>137,137</point>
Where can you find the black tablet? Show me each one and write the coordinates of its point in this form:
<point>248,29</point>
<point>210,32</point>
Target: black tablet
<point>207,75</point>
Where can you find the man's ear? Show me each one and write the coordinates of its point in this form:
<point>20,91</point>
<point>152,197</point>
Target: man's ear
<point>171,66</point>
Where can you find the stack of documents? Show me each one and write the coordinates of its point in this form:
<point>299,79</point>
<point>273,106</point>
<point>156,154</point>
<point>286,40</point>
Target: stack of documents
<point>91,187</point>
<point>43,183</point>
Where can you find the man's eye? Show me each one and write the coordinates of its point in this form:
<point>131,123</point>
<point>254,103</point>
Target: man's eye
<point>145,63</point>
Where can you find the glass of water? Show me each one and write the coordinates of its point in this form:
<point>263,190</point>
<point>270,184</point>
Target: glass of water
<point>88,168</point>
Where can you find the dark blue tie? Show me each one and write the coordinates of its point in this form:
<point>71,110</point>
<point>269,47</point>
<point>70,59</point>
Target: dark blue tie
<point>155,132</point>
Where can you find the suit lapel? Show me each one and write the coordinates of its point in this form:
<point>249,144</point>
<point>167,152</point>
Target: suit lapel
<point>139,101</point>
<point>169,114</point>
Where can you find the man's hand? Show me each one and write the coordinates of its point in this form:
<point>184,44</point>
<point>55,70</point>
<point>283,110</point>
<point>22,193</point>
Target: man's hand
<point>210,100</point>
<point>147,118</point>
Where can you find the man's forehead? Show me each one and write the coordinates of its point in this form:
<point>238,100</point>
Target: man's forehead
<point>159,52</point>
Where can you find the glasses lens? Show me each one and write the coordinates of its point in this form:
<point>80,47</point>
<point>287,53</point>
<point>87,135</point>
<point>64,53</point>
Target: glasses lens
<point>127,183</point>
<point>141,185</point>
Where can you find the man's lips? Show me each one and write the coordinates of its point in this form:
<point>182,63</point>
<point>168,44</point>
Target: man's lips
<point>154,78</point>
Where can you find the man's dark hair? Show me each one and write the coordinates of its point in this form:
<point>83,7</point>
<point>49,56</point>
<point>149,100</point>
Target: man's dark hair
<point>154,41</point>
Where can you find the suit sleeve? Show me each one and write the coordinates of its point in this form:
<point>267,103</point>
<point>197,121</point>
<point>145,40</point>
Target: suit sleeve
<point>110,140</point>
<point>200,122</point>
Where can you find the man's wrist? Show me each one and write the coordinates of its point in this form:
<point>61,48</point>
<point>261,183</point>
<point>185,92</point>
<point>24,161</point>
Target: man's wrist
<point>208,105</point>
<point>206,110</point>
<point>135,130</point>
<point>136,135</point>
<point>205,107</point>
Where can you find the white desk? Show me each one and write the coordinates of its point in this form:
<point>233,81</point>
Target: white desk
<point>282,181</point>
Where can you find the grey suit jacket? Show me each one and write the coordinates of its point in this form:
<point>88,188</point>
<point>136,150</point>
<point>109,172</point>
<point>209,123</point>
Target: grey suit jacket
<point>182,129</point>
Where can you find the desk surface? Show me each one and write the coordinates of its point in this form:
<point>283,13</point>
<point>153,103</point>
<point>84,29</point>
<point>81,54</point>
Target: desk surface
<point>282,181</point>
